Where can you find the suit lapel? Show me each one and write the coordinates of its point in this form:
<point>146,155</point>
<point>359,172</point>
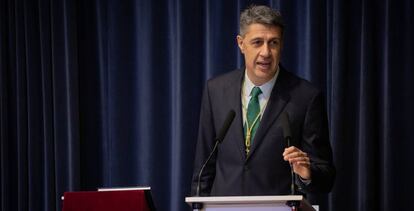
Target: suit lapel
<point>277,102</point>
<point>234,93</point>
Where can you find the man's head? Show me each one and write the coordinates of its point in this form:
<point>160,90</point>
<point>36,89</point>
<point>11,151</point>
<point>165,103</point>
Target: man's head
<point>260,40</point>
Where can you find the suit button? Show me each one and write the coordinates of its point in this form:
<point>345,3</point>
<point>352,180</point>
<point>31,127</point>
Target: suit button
<point>246,168</point>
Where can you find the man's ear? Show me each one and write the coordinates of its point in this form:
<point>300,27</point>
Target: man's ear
<point>240,43</point>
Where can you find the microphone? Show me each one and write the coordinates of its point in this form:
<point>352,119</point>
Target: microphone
<point>288,136</point>
<point>219,138</point>
<point>226,125</point>
<point>286,128</point>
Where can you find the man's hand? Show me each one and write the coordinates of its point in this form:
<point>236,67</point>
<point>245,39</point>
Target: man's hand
<point>299,161</point>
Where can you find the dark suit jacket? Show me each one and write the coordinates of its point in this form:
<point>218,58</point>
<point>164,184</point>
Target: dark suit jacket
<point>263,172</point>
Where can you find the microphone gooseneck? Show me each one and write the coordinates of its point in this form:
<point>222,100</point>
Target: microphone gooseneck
<point>286,128</point>
<point>288,136</point>
<point>219,138</point>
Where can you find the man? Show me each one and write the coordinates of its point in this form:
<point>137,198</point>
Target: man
<point>253,158</point>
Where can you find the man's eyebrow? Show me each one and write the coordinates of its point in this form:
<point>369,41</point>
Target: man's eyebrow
<point>275,38</point>
<point>260,38</point>
<point>256,39</point>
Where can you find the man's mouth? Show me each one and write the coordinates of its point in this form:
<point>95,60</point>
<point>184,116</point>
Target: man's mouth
<point>264,65</point>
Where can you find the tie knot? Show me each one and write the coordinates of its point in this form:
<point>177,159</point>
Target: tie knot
<point>256,91</point>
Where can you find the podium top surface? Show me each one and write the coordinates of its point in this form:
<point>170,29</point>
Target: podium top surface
<point>244,199</point>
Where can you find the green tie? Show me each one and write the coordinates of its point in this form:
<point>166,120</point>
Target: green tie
<point>252,116</point>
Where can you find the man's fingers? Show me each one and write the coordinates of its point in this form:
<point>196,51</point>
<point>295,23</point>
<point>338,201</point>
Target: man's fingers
<point>294,155</point>
<point>298,159</point>
<point>289,150</point>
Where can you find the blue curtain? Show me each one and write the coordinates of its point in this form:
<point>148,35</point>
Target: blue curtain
<point>106,93</point>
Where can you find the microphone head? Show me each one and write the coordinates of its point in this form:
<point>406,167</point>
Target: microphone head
<point>285,125</point>
<point>226,126</point>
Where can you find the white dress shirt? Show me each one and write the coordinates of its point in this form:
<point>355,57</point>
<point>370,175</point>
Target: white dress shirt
<point>247,87</point>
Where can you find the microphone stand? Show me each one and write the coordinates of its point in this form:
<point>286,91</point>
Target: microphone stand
<point>294,205</point>
<point>204,165</point>
<point>218,139</point>
<point>199,206</point>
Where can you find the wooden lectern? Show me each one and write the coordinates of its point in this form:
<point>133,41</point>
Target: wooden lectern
<point>248,203</point>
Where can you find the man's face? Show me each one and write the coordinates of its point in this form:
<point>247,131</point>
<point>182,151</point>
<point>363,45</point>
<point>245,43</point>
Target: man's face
<point>261,46</point>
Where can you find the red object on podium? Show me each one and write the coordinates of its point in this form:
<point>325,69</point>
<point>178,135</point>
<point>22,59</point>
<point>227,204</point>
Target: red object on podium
<point>129,200</point>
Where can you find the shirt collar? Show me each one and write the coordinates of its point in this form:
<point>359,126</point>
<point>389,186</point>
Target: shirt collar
<point>266,87</point>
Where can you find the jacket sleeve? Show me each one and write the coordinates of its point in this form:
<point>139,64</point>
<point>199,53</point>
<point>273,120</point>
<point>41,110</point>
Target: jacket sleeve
<point>315,142</point>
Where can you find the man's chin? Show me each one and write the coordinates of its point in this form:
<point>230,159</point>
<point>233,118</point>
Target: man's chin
<point>265,73</point>
<point>264,77</point>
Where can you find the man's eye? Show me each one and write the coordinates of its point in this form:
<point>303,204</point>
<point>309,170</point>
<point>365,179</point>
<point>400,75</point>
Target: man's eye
<point>274,43</point>
<point>257,43</point>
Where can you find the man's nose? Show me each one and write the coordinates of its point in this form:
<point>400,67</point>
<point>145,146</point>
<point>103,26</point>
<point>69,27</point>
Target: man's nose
<point>265,50</point>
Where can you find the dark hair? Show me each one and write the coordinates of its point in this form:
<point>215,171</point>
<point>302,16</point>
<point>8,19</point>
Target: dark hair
<point>262,15</point>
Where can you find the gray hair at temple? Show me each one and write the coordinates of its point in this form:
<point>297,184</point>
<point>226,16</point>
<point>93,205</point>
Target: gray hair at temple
<point>262,15</point>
